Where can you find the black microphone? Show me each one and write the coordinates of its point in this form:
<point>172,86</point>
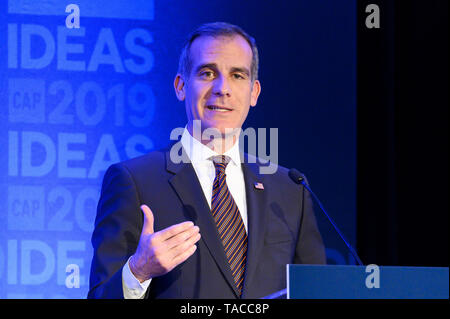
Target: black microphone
<point>299,178</point>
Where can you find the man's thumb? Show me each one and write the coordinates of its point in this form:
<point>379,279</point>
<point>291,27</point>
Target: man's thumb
<point>148,220</point>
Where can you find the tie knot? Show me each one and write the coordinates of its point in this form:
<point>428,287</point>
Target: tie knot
<point>220,163</point>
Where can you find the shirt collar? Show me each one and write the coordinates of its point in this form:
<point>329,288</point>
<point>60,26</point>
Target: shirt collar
<point>198,153</point>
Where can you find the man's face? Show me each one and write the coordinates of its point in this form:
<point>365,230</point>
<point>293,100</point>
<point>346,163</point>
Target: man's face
<point>219,90</point>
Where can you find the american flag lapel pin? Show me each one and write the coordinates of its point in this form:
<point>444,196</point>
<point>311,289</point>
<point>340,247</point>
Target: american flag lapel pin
<point>258,185</point>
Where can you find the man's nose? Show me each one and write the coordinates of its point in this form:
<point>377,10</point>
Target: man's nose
<point>221,86</point>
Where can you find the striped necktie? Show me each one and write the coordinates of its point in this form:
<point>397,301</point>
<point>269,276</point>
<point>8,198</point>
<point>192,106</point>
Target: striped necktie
<point>229,223</point>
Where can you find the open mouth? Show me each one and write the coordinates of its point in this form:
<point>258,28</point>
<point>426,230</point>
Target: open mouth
<point>218,108</point>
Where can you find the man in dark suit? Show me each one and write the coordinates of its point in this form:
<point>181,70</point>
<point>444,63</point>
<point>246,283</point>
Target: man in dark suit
<point>211,225</point>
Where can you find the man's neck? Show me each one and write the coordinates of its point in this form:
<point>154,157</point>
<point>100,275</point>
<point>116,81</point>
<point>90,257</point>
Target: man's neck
<point>218,142</point>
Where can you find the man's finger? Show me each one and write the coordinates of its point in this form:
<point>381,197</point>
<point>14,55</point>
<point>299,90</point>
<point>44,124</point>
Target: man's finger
<point>148,220</point>
<point>184,255</point>
<point>181,237</point>
<point>173,230</point>
<point>186,245</point>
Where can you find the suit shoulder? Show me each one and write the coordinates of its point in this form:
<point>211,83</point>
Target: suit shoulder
<point>280,176</point>
<point>272,173</point>
<point>147,162</point>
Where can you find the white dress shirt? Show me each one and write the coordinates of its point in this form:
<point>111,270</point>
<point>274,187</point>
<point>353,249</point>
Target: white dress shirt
<point>200,157</point>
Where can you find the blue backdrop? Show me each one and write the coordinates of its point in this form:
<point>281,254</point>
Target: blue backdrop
<point>74,101</point>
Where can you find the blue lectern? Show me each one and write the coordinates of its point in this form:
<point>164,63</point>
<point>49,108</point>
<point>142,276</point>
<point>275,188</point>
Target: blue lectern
<point>366,282</point>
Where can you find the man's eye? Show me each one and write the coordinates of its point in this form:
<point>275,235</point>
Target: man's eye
<point>238,76</point>
<point>207,74</point>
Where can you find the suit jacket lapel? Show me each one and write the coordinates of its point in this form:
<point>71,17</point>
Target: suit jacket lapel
<point>186,185</point>
<point>256,213</point>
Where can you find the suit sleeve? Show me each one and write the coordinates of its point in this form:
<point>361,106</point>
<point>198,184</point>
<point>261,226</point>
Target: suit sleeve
<point>118,226</point>
<point>310,248</point>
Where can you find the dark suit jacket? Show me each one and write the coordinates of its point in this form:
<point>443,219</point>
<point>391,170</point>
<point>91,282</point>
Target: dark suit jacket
<point>281,230</point>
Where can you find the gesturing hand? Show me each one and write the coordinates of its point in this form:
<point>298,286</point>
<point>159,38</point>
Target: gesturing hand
<point>160,252</point>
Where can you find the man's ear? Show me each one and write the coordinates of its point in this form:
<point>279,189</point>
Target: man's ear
<point>256,90</point>
<point>178,84</point>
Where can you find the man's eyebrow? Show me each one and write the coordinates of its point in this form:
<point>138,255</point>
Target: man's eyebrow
<point>206,66</point>
<point>241,70</point>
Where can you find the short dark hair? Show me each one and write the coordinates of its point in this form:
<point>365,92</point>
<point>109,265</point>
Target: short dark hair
<point>217,29</point>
